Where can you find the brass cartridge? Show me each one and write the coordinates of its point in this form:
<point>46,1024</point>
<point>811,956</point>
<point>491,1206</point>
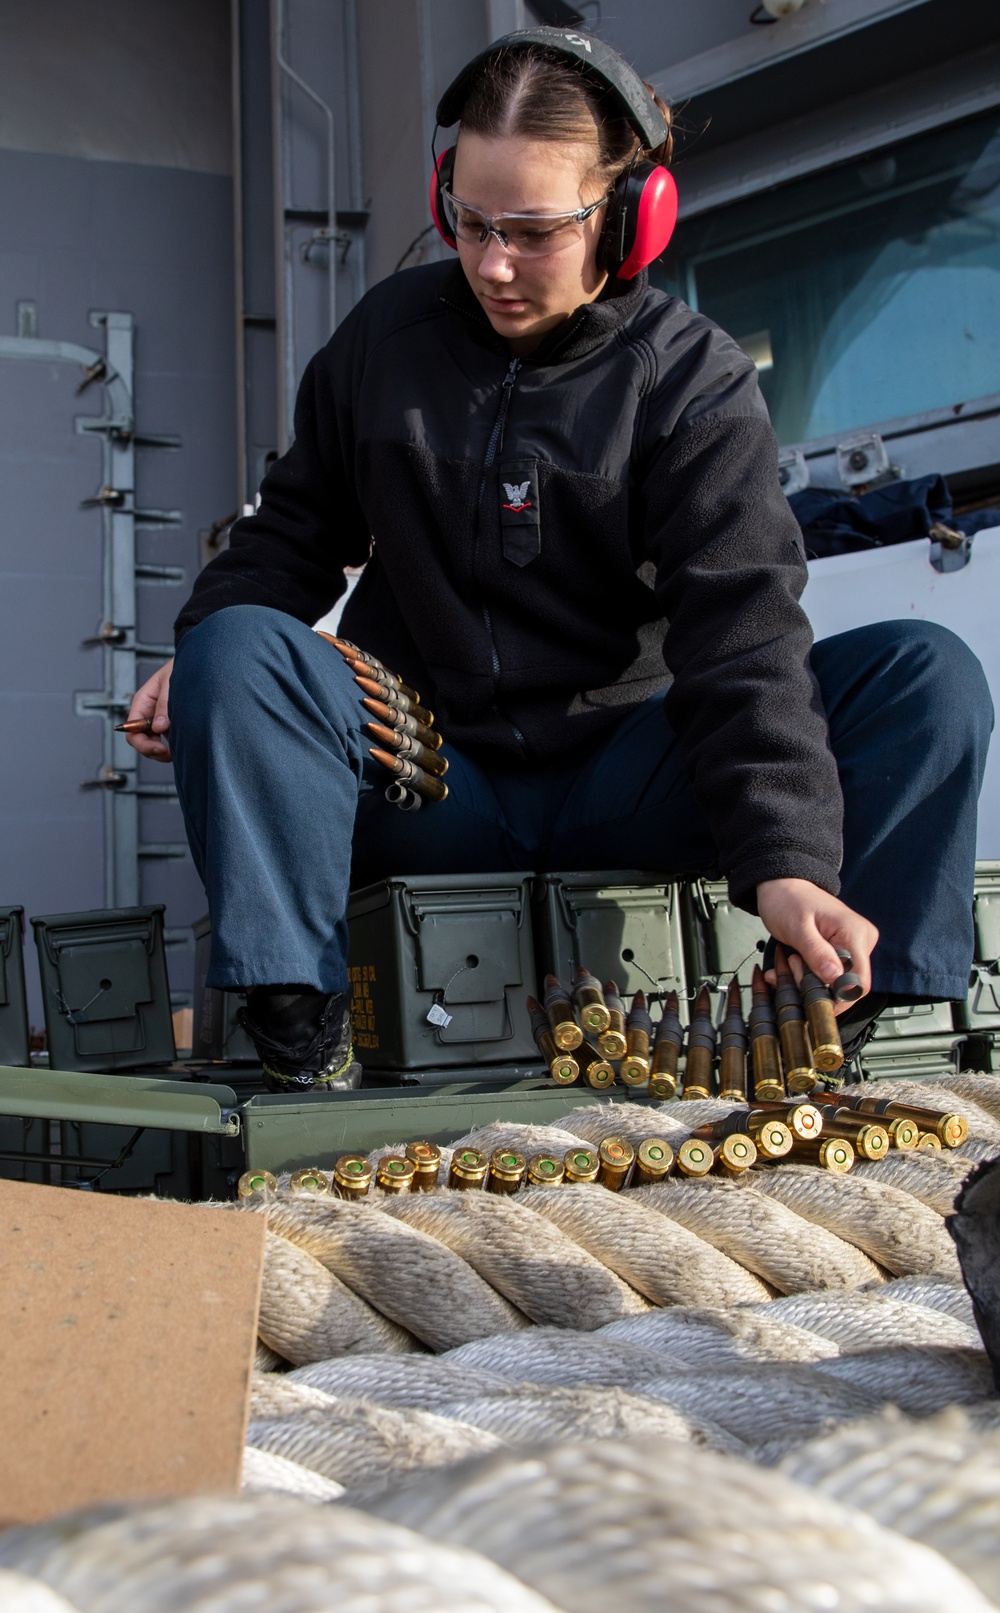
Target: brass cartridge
<point>394,1174</point>
<point>252,1182</point>
<point>430,760</point>
<point>802,1119</point>
<point>795,1055</point>
<point>771,1136</point>
<point>468,1169</point>
<point>617,1156</point>
<point>426,1161</point>
<point>634,1067</point>
<point>928,1141</point>
<point>597,1072</point>
<point>310,1179</point>
<point>871,1140</point>
<point>545,1170</point>
<point>367,667</point>
<point>700,1049</point>
<point>563,1067</point>
<point>425,784</point>
<point>581,1165</point>
<point>824,1037</point>
<point>768,1081</point>
<point>904,1134</point>
<point>653,1160</point>
<point>734,1155</point>
<point>950,1129</point>
<point>832,1153</point>
<point>612,1042</point>
<point>733,1048</point>
<point>566,1033</point>
<point>403,723</point>
<point>395,699</point>
<point>666,1050</point>
<point>352,1176</point>
<point>507,1170</point>
<point>695,1157</point>
<point>589,1000</point>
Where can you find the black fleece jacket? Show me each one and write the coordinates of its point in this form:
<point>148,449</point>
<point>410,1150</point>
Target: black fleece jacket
<point>545,538</point>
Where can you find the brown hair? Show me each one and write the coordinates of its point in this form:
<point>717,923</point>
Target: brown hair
<point>534,92</point>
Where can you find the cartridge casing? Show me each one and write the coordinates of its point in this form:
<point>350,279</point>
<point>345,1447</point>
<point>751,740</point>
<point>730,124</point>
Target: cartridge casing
<point>803,1120</point>
<point>733,1044</point>
<point>700,1049</point>
<point>832,1153</point>
<point>734,1155</point>
<point>395,1174</point>
<point>904,1134</point>
<point>426,1161</point>
<point>563,1067</point>
<point>352,1176</point>
<point>634,1067</point>
<point>928,1140</point>
<point>597,1072</point>
<point>653,1160</point>
<point>695,1157</point>
<point>252,1182</point>
<point>403,722</point>
<point>566,1033</point>
<point>581,1165</point>
<point>468,1169</point>
<point>546,1170</point>
<point>310,1179</point>
<point>666,1051</point>
<point>824,1037</point>
<point>950,1129</point>
<point>507,1168</point>
<point>394,739</point>
<point>617,1156</point>
<point>591,1008</point>
<point>768,1081</point>
<point>790,1015</point>
<point>395,699</point>
<point>612,1042</point>
<point>406,772</point>
<point>870,1139</point>
<point>771,1136</point>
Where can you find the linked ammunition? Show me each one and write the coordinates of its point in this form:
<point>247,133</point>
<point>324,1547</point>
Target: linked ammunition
<point>802,1119</point>
<point>432,789</point>
<point>870,1140</point>
<point>824,1037</point>
<point>352,1176</point>
<point>252,1182</point>
<point>430,760</point>
<point>653,1160</point>
<point>581,1165</point>
<point>468,1169</point>
<point>310,1179</point>
<point>403,723</point>
<point>795,1056</point>
<point>588,997</point>
<point>666,1050</point>
<point>695,1157</point>
<point>507,1170</point>
<point>395,1174</point>
<point>904,1134</point>
<point>734,1155</point>
<point>617,1156</point>
<point>545,1170</point>
<point>380,674</point>
<point>772,1137</point>
<point>700,1049</point>
<point>612,1042</point>
<point>733,1048</point>
<point>563,1067</point>
<point>393,698</point>
<point>634,1067</point>
<point>764,1052</point>
<point>426,1161</point>
<point>950,1129</point>
<point>832,1153</point>
<point>597,1072</point>
<point>556,1002</point>
<point>928,1140</point>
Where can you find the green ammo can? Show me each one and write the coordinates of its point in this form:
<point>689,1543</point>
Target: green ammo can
<point>722,940</point>
<point>621,925</point>
<point>15,1042</point>
<point>439,968</point>
<point>979,1014</point>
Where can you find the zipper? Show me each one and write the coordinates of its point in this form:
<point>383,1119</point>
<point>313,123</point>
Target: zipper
<point>496,438</point>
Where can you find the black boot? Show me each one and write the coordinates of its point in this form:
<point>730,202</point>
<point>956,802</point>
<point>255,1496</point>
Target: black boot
<point>302,1037</point>
<point>975,1227</point>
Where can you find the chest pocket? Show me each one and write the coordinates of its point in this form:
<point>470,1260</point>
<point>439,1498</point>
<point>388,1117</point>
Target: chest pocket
<point>520,511</point>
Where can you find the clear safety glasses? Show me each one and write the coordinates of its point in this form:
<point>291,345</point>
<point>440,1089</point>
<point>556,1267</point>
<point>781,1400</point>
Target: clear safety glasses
<point>523,235</point>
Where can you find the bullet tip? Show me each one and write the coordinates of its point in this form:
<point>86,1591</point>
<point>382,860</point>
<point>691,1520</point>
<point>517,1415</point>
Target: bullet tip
<point>639,1000</point>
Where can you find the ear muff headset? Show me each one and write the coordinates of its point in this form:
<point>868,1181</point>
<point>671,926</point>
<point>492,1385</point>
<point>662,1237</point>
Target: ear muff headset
<point>642,211</point>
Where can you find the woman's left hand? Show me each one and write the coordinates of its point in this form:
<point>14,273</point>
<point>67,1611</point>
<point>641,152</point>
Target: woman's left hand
<point>802,916</point>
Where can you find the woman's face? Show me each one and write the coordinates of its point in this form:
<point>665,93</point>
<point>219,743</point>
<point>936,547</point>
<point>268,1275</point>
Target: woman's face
<point>525,297</point>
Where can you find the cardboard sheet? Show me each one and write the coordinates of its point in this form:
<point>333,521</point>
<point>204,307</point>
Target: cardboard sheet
<point>127,1331</point>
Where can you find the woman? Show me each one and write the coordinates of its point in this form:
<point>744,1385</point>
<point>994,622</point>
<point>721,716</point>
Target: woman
<point>568,484</point>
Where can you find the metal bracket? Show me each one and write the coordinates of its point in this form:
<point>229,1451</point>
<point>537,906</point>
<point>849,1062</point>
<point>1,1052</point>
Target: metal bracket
<point>950,550</point>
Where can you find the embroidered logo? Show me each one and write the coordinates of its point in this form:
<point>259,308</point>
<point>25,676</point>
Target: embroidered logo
<point>517,496</point>
<point>578,39</point>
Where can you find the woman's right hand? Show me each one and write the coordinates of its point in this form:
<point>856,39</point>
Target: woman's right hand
<point>149,704</point>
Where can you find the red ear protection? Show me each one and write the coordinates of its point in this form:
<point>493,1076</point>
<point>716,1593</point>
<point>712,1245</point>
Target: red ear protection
<point>443,168</point>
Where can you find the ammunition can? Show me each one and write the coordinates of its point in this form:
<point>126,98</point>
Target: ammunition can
<point>652,1161</point>
<point>352,1176</point>
<point>870,1139</point>
<point>566,1033</point>
<point>832,1153</point>
<point>395,1174</point>
<point>700,1049</point>
<point>581,1165</point>
<point>734,1155</point>
<point>824,1037</point>
<point>617,1156</point>
<point>802,1119</point>
<point>545,1170</point>
<point>252,1182</point>
<point>310,1179</point>
<point>695,1157</point>
<point>733,1048</point>
<point>768,1082</point>
<point>563,1068</point>
<point>634,1068</point>
<point>507,1170</point>
<point>468,1169</point>
<point>904,1134</point>
<point>795,1055</point>
<point>597,1072</point>
<point>612,1042</point>
<point>929,1141</point>
<point>590,1004</point>
<point>950,1129</point>
<point>426,1161</point>
<point>666,1051</point>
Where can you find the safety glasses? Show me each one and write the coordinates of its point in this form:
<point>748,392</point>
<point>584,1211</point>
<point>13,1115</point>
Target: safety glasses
<point>523,235</point>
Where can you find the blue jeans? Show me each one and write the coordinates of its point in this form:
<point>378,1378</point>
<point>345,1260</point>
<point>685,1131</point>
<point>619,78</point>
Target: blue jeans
<point>286,812</point>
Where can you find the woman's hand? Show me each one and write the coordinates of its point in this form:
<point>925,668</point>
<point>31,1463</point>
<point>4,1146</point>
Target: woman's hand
<point>149,704</point>
<point>800,915</point>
